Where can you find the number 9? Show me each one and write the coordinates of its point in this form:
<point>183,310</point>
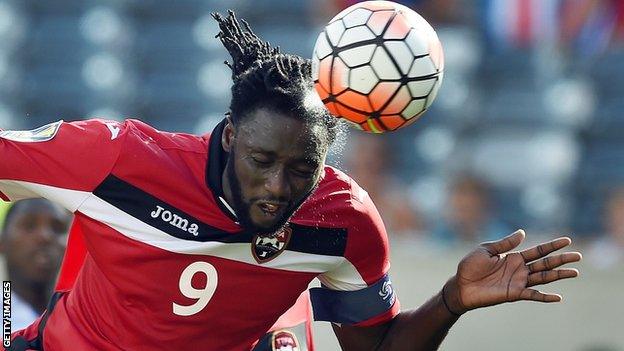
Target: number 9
<point>202,296</point>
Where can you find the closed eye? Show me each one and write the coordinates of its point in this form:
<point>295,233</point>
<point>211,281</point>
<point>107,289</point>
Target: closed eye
<point>260,161</point>
<point>304,173</point>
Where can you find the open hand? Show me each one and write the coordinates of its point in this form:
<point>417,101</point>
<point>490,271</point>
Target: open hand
<point>491,274</point>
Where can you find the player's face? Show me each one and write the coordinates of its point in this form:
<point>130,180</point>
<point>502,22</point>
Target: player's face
<point>275,162</point>
<point>34,242</point>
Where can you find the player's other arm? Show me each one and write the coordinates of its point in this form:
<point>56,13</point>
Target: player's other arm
<point>487,276</point>
<point>423,328</point>
<point>60,156</point>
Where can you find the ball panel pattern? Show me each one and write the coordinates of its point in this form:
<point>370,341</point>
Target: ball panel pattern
<point>351,115</point>
<point>378,65</point>
<point>362,79</point>
<point>383,66</point>
<point>398,103</point>
<point>414,107</point>
<point>379,96</point>
<point>392,122</point>
<point>351,98</point>
<point>356,17</point>
<point>322,47</point>
<point>354,35</point>
<point>421,88</point>
<point>358,55</point>
<point>379,20</point>
<point>339,76</point>
<point>334,32</point>
<point>399,28</point>
<point>422,67</point>
<point>401,54</point>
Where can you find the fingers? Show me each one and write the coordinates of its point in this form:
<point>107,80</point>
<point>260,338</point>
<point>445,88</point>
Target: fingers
<point>535,295</point>
<point>550,262</point>
<point>505,244</point>
<point>545,277</point>
<point>542,250</point>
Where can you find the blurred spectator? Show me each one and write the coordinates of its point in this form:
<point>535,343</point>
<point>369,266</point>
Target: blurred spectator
<point>586,27</point>
<point>469,218</point>
<point>370,164</point>
<point>590,26</point>
<point>608,251</point>
<point>434,11</point>
<point>32,240</point>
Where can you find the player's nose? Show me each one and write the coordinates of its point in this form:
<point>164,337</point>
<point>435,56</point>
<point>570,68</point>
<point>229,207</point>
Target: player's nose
<point>277,185</point>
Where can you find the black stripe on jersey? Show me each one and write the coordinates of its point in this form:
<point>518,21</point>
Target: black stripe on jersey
<point>177,223</point>
<point>318,240</point>
<point>159,214</point>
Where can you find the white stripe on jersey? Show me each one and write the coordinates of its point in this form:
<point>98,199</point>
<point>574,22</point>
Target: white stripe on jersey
<point>344,277</point>
<point>340,274</point>
<point>19,190</point>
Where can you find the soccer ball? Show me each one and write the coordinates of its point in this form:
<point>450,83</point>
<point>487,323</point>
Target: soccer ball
<point>378,65</point>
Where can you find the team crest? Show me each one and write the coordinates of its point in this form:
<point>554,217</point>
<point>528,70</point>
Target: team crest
<point>265,248</point>
<point>284,340</point>
<point>40,134</point>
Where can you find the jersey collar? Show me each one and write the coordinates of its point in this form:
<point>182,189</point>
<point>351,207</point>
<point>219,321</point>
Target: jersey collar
<point>217,159</point>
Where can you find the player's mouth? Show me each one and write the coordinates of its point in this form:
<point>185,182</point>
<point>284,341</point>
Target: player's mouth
<point>271,209</point>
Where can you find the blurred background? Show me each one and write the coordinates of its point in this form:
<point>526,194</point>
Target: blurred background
<point>527,130</point>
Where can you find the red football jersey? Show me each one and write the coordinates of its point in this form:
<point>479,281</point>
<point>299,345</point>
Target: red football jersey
<point>296,322</point>
<point>167,265</point>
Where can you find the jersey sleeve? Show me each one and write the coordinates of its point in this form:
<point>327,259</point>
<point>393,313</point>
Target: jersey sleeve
<point>61,161</point>
<point>359,291</point>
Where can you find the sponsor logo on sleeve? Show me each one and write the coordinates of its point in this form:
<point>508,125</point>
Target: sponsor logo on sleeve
<point>40,134</point>
<point>386,292</point>
<point>114,129</point>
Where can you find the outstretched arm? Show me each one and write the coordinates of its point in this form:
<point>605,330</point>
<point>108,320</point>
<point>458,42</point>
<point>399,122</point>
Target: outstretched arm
<point>487,276</point>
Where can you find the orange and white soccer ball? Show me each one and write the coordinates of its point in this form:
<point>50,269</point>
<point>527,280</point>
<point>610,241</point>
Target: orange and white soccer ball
<point>378,65</point>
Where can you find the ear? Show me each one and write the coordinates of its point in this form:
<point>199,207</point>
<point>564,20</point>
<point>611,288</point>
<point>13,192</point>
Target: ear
<point>227,138</point>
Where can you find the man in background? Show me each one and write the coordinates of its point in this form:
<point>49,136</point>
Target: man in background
<point>32,239</point>
<point>608,251</point>
<point>470,217</point>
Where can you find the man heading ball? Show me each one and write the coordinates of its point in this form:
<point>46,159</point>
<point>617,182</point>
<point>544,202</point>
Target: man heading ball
<point>204,241</point>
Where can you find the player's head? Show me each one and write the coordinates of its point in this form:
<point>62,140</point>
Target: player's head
<point>32,240</point>
<point>278,131</point>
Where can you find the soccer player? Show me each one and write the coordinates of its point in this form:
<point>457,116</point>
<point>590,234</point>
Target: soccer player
<point>31,240</point>
<point>202,242</point>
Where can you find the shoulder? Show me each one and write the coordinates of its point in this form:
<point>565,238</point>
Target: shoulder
<point>338,201</point>
<point>147,134</point>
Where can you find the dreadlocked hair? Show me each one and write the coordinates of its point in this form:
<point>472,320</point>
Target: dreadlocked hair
<point>263,77</point>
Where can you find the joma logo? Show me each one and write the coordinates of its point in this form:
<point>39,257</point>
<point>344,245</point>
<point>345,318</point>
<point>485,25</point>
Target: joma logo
<point>175,220</point>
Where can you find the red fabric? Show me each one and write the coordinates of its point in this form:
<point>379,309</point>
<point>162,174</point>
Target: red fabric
<point>73,260</point>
